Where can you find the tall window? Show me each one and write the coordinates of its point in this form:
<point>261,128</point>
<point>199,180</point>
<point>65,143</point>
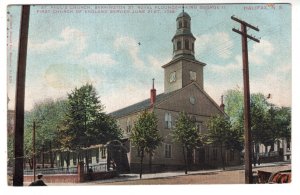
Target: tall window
<point>185,24</point>
<point>168,151</point>
<point>178,45</point>
<point>168,120</point>
<point>97,155</point>
<point>192,46</point>
<point>103,153</point>
<point>90,156</point>
<point>128,126</point>
<point>193,76</point>
<point>186,44</point>
<point>180,24</point>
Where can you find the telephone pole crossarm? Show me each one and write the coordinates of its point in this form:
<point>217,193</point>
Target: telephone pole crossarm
<point>244,23</point>
<point>248,36</point>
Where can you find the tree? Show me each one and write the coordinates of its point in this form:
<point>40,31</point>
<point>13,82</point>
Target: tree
<point>85,123</point>
<point>10,151</point>
<point>219,134</point>
<point>47,115</point>
<point>145,136</point>
<point>233,100</point>
<point>282,120</point>
<point>186,133</point>
<point>268,122</point>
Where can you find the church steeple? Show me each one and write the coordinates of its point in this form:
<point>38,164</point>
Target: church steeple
<point>183,69</point>
<point>183,40</point>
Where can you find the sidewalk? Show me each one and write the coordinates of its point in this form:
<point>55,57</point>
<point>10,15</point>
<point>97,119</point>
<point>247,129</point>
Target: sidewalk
<point>132,176</point>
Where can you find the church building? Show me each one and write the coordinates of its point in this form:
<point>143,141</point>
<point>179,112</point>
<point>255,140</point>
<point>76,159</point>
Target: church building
<point>183,92</point>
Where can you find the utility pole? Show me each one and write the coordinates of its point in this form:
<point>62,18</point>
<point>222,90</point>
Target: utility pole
<point>33,149</point>
<point>18,176</point>
<point>247,118</point>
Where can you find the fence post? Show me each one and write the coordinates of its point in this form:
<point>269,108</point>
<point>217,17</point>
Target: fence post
<point>80,171</point>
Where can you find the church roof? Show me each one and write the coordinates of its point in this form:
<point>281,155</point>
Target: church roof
<point>184,14</point>
<point>145,104</point>
<point>183,57</point>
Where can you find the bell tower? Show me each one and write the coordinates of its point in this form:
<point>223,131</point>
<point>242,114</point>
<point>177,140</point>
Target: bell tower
<point>183,40</point>
<point>183,69</point>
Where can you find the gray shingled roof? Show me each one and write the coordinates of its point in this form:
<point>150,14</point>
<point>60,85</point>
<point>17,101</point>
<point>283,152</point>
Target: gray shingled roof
<point>139,106</point>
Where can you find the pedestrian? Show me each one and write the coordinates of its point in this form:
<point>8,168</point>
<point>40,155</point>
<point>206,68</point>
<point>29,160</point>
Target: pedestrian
<point>39,181</point>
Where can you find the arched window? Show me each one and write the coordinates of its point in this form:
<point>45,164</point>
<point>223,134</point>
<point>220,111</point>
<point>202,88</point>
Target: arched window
<point>186,44</point>
<point>178,45</point>
<point>180,24</point>
<point>185,24</point>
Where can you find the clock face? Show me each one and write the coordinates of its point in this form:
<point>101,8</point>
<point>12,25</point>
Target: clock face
<point>172,77</point>
<point>193,76</point>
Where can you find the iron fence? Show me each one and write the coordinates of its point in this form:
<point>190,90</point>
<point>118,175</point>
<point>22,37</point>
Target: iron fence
<point>48,171</point>
<point>96,168</point>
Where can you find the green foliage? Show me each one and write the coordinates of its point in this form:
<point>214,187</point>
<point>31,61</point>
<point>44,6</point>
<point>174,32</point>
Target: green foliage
<point>46,115</point>
<point>85,123</point>
<point>219,130</point>
<point>268,122</point>
<point>82,115</point>
<point>145,134</point>
<point>10,151</point>
<point>222,134</point>
<point>186,132</point>
<point>282,121</point>
<point>234,105</point>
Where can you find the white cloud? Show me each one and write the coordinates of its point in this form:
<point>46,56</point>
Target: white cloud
<point>47,46</point>
<point>261,52</point>
<point>219,44</point>
<point>126,96</point>
<point>284,68</point>
<point>56,82</point>
<point>274,83</point>
<point>230,67</point>
<point>65,76</point>
<point>157,63</point>
<point>99,59</point>
<point>279,88</point>
<point>258,55</point>
<point>72,38</point>
<point>75,38</point>
<point>216,90</point>
<point>129,45</point>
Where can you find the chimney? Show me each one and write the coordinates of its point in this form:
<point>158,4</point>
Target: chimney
<point>152,94</point>
<point>222,106</point>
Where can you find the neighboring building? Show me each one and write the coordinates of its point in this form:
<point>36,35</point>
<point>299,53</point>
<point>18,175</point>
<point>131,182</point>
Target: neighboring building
<point>183,91</point>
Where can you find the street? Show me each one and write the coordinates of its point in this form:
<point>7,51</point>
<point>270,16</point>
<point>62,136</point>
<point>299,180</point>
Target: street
<point>232,175</point>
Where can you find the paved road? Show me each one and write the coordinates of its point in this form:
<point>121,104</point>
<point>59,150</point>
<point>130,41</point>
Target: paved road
<point>232,175</point>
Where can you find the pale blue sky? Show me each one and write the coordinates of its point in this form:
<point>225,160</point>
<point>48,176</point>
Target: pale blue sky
<point>66,50</point>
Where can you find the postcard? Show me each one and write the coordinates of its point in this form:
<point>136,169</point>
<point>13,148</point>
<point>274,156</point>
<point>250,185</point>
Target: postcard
<point>149,94</point>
